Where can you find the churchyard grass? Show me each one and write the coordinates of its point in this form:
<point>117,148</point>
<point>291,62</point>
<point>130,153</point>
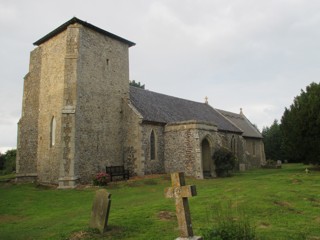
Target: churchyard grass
<point>279,203</point>
<point>7,177</point>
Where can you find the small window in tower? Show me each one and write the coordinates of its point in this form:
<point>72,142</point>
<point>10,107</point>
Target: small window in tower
<point>53,132</point>
<point>152,146</point>
<point>107,61</point>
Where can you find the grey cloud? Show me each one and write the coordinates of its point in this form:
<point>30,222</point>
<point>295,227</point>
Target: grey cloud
<point>251,54</point>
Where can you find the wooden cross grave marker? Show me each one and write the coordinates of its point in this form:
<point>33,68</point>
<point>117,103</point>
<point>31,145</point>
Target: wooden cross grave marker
<point>180,192</point>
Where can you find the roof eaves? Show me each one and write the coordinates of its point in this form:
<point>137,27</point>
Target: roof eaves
<point>88,25</point>
<point>229,131</point>
<point>153,122</point>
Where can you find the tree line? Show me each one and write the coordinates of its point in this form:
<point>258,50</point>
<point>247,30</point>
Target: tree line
<point>296,138</point>
<point>8,162</point>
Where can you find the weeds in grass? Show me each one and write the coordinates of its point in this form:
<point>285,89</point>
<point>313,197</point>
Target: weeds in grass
<point>134,183</point>
<point>114,185</point>
<point>166,177</point>
<point>150,182</point>
<point>45,186</point>
<point>299,236</point>
<point>229,224</point>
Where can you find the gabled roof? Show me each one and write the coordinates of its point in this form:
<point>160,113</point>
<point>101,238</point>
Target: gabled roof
<point>249,130</point>
<point>160,108</point>
<point>88,25</point>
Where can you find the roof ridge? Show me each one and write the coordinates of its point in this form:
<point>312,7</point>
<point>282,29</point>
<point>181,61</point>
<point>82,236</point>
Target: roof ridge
<point>238,114</point>
<point>86,24</point>
<point>163,94</point>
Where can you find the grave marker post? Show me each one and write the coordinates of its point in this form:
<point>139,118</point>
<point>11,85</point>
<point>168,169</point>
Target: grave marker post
<point>180,192</point>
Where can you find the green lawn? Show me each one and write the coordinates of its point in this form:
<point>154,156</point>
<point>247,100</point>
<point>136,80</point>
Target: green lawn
<point>280,203</point>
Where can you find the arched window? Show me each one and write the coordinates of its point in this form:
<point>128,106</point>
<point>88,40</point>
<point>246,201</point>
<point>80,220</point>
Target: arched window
<point>152,146</point>
<point>253,148</point>
<point>53,132</point>
<point>233,145</point>
<point>206,157</point>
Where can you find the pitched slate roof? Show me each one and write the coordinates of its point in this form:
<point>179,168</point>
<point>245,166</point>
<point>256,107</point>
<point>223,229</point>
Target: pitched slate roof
<point>160,108</point>
<point>88,25</point>
<point>249,130</point>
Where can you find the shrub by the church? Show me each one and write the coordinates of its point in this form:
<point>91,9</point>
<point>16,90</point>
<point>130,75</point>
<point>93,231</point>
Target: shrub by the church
<point>101,179</point>
<point>224,161</point>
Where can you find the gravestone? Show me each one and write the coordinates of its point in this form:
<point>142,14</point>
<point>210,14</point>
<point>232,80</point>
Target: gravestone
<point>180,193</point>
<point>279,163</point>
<point>242,167</point>
<point>100,210</point>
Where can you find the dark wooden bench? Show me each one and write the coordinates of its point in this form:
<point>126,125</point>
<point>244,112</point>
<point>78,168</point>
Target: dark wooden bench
<point>116,171</point>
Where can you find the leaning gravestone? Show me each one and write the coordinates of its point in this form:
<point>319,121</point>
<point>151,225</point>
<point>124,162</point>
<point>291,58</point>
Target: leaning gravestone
<point>180,192</point>
<point>100,210</point>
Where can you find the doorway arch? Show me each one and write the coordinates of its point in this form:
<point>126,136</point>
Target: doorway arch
<point>206,158</point>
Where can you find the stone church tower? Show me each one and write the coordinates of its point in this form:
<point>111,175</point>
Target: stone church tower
<point>80,115</point>
<point>72,105</point>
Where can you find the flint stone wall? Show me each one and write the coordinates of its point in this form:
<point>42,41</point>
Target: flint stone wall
<point>52,57</point>
<point>152,166</point>
<point>79,77</point>
<point>102,83</point>
<point>133,151</point>
<point>27,147</point>
<point>183,146</point>
<point>254,153</point>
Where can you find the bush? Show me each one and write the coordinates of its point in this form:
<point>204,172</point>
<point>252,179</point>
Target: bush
<point>101,179</point>
<point>224,161</point>
<point>229,225</point>
<point>8,162</point>
<point>1,161</point>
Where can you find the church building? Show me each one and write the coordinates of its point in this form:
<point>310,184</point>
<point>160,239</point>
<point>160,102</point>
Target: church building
<point>80,115</point>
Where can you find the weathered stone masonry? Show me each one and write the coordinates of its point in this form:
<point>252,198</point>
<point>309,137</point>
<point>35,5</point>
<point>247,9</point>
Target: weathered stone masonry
<point>156,165</point>
<point>133,155</point>
<point>83,75</point>
<point>80,115</point>
<point>183,146</point>
<point>103,76</point>
<point>28,125</point>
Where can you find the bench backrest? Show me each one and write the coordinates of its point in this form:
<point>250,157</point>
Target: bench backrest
<point>115,169</point>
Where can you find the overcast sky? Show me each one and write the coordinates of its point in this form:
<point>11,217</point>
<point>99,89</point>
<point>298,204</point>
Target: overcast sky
<point>254,54</point>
